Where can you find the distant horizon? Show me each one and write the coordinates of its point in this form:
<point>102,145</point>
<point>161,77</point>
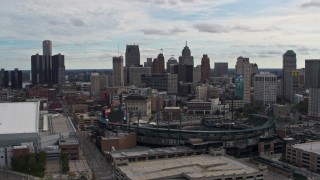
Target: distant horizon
<point>111,69</point>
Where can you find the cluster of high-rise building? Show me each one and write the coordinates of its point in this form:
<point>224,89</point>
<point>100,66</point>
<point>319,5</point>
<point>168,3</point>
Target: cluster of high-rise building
<point>154,73</point>
<point>47,68</point>
<point>15,79</point>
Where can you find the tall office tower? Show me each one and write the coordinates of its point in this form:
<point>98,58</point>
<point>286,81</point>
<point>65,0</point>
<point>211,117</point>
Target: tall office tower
<point>289,64</point>
<point>158,64</point>
<point>4,78</point>
<point>185,72</point>
<point>312,82</point>
<point>37,69</point>
<point>132,56</point>
<point>220,69</point>
<point>148,63</point>
<point>47,61</point>
<point>171,61</point>
<point>186,57</point>
<point>47,48</point>
<point>58,69</point>
<point>172,83</point>
<point>205,68</point>
<point>265,88</point>
<point>118,71</point>
<point>312,73</point>
<point>95,84</point>
<point>135,75</point>
<point>16,79</point>
<point>47,69</point>
<point>314,102</point>
<point>243,79</point>
<point>197,74</point>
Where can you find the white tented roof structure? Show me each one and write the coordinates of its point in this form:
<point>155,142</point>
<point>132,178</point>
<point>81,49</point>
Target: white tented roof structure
<point>19,117</point>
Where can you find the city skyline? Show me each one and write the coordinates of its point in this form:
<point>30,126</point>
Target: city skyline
<point>90,33</point>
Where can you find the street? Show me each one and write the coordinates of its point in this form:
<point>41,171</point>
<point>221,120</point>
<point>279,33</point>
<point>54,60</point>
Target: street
<point>95,159</point>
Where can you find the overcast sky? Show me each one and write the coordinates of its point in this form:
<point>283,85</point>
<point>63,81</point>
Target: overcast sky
<point>89,32</point>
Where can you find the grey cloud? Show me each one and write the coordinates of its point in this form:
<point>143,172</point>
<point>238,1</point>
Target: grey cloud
<point>243,28</point>
<point>273,52</point>
<point>173,2</point>
<point>310,4</point>
<point>162,32</point>
<point>217,28</point>
<point>187,1</point>
<point>305,49</point>
<point>77,22</point>
<point>211,28</point>
<point>286,45</point>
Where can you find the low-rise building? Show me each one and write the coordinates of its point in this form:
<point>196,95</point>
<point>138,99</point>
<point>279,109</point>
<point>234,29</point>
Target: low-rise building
<point>179,163</point>
<point>84,120</point>
<point>305,155</point>
<point>235,104</point>
<point>172,113</point>
<point>281,110</point>
<point>138,104</point>
<point>117,141</point>
<point>70,147</point>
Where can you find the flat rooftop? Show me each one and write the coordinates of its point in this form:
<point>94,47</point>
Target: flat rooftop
<point>312,147</point>
<point>60,124</point>
<point>19,117</point>
<point>199,166</point>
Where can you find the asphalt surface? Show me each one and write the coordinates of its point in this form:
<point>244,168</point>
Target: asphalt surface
<point>96,161</point>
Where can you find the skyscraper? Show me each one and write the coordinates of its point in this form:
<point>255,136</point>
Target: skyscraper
<point>312,73</point>
<point>95,84</point>
<point>58,69</point>
<point>196,74</point>
<point>243,74</point>
<point>185,72</point>
<point>47,69</point>
<point>132,56</point>
<point>16,79</point>
<point>37,69</point>
<point>220,69</point>
<point>289,64</point>
<point>205,68</point>
<point>158,64</point>
<point>186,57</point>
<point>312,82</point>
<point>47,61</point>
<point>148,63</point>
<point>4,78</point>
<point>47,48</point>
<point>118,71</point>
<point>265,88</point>
<point>171,61</point>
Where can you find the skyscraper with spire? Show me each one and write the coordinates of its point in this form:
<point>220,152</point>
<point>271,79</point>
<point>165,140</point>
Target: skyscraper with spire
<point>186,57</point>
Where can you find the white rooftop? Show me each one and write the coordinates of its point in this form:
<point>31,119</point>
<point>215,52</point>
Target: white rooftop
<point>313,147</point>
<point>20,117</point>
